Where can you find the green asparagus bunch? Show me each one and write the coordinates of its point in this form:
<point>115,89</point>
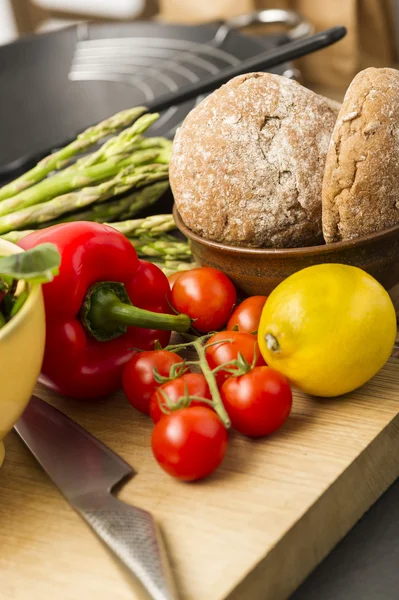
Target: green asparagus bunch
<point>128,149</point>
<point>59,159</point>
<point>112,184</point>
<point>73,179</point>
<point>129,178</point>
<point>120,208</point>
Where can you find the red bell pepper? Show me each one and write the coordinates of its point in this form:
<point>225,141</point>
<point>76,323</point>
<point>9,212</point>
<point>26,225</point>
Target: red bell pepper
<point>94,308</point>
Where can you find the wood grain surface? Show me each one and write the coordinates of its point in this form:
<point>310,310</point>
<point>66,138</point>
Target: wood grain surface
<point>252,531</point>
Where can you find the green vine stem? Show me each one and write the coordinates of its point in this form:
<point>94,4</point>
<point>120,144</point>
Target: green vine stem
<point>176,370</point>
<point>200,348</point>
<point>202,400</point>
<point>211,381</point>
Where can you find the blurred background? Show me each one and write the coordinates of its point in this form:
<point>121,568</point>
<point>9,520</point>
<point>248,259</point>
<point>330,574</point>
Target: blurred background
<point>372,38</point>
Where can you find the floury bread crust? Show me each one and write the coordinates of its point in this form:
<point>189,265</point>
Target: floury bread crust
<point>360,186</point>
<point>247,163</point>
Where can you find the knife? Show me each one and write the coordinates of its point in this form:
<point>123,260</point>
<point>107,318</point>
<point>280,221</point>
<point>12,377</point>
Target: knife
<point>85,471</point>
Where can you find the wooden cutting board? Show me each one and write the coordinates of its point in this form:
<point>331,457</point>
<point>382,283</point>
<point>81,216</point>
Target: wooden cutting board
<point>252,531</point>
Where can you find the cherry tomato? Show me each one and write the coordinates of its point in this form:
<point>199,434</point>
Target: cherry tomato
<point>218,354</point>
<point>246,316</point>
<point>138,376</point>
<point>172,278</point>
<point>258,402</point>
<point>191,384</point>
<point>206,295</point>
<point>190,443</point>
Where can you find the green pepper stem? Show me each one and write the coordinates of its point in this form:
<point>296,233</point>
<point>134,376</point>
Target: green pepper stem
<point>126,314</point>
<point>107,312</point>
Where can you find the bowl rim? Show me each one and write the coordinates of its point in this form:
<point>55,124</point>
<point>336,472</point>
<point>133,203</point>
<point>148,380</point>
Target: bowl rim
<point>302,250</point>
<point>33,297</point>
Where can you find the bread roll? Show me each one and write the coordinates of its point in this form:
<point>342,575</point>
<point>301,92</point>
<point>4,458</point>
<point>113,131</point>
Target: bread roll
<point>360,186</point>
<point>247,163</point>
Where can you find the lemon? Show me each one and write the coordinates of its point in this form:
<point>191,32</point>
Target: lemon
<point>328,328</point>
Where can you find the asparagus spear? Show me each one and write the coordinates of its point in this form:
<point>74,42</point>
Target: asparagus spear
<point>120,209</point>
<point>166,247</point>
<point>153,142</point>
<point>127,140</point>
<point>15,236</point>
<point>171,266</point>
<point>41,213</point>
<point>58,159</point>
<point>70,180</point>
<point>153,226</point>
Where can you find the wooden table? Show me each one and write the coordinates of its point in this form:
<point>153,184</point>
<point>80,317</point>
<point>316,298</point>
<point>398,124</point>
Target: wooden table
<point>252,531</point>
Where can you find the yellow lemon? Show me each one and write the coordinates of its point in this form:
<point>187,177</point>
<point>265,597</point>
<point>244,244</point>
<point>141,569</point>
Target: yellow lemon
<point>328,328</point>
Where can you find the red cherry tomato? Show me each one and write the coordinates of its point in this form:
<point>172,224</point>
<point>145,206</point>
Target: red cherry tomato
<point>191,384</point>
<point>190,443</point>
<point>218,354</point>
<point>258,402</point>
<point>206,295</point>
<point>246,316</point>
<point>172,278</point>
<point>138,376</point>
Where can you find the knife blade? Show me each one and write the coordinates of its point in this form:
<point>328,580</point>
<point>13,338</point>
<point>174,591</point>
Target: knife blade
<point>85,471</point>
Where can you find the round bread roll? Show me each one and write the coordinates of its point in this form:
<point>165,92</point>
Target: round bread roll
<point>247,163</point>
<point>360,186</point>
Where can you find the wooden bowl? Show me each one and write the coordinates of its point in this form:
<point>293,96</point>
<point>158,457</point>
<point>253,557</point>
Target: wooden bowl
<point>257,271</point>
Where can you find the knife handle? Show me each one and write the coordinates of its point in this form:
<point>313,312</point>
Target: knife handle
<point>134,537</point>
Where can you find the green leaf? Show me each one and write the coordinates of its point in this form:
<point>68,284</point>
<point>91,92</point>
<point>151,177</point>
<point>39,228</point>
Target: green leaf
<point>18,303</point>
<point>37,265</point>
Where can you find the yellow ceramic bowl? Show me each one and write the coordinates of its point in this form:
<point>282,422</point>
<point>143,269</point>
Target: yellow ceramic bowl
<point>21,354</point>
